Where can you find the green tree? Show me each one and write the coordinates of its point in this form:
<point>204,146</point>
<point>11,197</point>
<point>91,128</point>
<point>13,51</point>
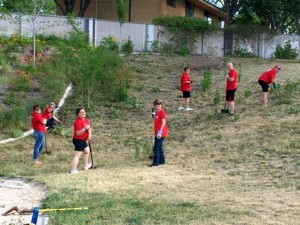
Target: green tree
<point>68,7</point>
<point>121,8</point>
<point>32,9</point>
<point>19,6</point>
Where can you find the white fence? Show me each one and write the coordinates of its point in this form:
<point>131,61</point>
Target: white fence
<point>142,35</point>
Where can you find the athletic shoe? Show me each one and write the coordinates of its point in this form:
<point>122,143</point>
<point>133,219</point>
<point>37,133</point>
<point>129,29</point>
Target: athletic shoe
<point>74,171</point>
<point>154,165</point>
<point>89,165</point>
<point>180,108</point>
<point>188,109</point>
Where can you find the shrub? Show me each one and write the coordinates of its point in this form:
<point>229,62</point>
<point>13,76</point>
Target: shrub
<point>285,52</point>
<point>243,53</point>
<point>13,118</point>
<point>110,42</point>
<point>185,31</point>
<point>217,97</point>
<point>207,80</point>
<point>135,103</point>
<point>127,47</point>
<point>155,46</point>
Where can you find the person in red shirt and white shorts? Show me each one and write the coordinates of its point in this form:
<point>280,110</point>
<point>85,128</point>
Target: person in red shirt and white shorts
<point>81,136</point>
<point>267,78</point>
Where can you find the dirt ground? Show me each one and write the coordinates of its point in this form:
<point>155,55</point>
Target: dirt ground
<point>24,195</point>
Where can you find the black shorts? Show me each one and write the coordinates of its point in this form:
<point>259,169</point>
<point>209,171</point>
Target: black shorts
<point>264,85</point>
<point>230,95</point>
<point>80,145</point>
<point>186,94</point>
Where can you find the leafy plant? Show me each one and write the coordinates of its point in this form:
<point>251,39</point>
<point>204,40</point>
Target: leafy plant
<point>127,47</point>
<point>155,46</point>
<point>135,103</point>
<point>217,97</point>
<point>114,113</point>
<point>207,80</point>
<point>184,30</point>
<point>294,109</point>
<point>243,53</point>
<point>139,87</point>
<point>285,52</point>
<point>110,42</point>
<point>155,89</point>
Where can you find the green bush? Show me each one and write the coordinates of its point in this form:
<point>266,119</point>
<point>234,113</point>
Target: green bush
<point>110,42</point>
<point>135,103</point>
<point>155,46</point>
<point>207,80</point>
<point>15,118</point>
<point>285,52</point>
<point>184,30</point>
<point>127,47</point>
<point>243,53</point>
<point>217,97</point>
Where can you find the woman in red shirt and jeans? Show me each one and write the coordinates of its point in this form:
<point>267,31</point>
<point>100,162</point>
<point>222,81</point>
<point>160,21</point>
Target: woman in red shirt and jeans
<point>160,131</point>
<point>38,124</point>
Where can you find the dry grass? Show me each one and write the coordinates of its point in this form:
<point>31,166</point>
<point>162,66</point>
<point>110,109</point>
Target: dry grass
<point>248,165</point>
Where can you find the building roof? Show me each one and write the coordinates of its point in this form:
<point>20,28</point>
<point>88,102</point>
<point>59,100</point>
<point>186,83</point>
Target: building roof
<point>210,8</point>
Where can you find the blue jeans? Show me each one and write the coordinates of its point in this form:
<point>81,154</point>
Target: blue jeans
<point>39,143</point>
<point>159,156</point>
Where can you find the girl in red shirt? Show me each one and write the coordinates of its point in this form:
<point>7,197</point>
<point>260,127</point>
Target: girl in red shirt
<point>48,114</point>
<point>81,136</point>
<point>160,132</point>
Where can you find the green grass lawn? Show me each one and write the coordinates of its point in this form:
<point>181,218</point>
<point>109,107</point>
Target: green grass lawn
<point>219,170</point>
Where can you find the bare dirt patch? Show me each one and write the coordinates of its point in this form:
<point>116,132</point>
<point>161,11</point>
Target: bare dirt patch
<point>22,194</point>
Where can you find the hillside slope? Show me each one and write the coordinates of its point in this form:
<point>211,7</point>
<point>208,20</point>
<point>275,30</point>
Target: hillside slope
<point>245,169</point>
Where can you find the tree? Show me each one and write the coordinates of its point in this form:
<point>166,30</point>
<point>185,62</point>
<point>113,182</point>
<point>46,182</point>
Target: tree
<point>231,8</point>
<point>68,6</point>
<point>32,10</point>
<point>19,6</point>
<point>279,15</point>
<point>121,8</point>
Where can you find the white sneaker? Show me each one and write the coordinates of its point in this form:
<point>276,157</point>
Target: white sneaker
<point>74,171</point>
<point>180,108</point>
<point>89,165</point>
<point>188,109</point>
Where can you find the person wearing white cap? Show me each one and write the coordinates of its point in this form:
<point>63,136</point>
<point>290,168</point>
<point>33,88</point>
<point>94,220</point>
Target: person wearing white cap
<point>268,77</point>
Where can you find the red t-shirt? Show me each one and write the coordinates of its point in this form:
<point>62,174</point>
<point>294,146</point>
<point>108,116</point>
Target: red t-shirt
<point>37,122</point>
<point>158,121</point>
<point>268,76</point>
<point>46,114</point>
<point>79,125</point>
<point>185,86</point>
<point>232,85</point>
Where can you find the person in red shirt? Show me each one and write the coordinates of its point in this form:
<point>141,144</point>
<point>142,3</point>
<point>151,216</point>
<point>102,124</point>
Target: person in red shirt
<point>48,114</point>
<point>38,124</point>
<point>231,87</point>
<point>81,136</point>
<point>185,87</point>
<point>267,78</point>
<point>160,132</point>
